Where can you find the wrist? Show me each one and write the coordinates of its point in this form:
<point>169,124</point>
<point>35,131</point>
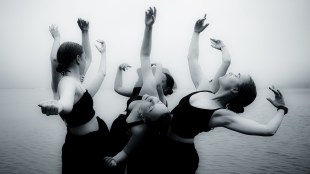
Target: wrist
<point>284,108</point>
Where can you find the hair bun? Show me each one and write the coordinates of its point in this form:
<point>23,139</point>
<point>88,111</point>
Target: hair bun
<point>235,108</point>
<point>61,68</point>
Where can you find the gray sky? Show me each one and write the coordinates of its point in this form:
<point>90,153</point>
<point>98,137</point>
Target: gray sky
<point>269,40</point>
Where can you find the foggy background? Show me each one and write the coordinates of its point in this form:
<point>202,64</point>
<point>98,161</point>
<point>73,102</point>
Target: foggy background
<point>269,40</point>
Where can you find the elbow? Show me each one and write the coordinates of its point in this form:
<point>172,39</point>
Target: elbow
<point>269,133</point>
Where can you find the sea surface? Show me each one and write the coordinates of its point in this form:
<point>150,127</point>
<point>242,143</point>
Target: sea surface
<point>30,142</point>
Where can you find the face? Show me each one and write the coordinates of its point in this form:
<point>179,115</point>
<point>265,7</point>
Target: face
<point>152,108</point>
<point>233,81</point>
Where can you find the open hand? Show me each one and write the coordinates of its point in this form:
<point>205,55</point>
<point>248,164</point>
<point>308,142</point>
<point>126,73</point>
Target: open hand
<point>150,16</point>
<point>54,31</point>
<point>102,47</point>
<point>217,44</point>
<point>199,27</point>
<point>50,107</point>
<point>109,161</point>
<point>279,100</point>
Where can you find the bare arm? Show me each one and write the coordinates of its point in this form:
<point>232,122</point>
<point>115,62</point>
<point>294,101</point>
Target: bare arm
<point>66,91</point>
<point>118,82</point>
<point>84,26</point>
<point>55,75</point>
<point>96,82</point>
<point>193,54</point>
<point>226,60</point>
<point>232,121</point>
<point>158,77</point>
<point>149,81</point>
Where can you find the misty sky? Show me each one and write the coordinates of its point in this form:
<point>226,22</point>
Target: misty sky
<point>268,39</point>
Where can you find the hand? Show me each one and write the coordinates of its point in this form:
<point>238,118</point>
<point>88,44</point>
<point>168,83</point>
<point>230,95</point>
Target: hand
<point>150,16</point>
<point>102,47</point>
<point>124,67</point>
<point>199,27</point>
<point>217,44</point>
<point>54,31</point>
<point>109,161</point>
<point>278,102</point>
<point>50,107</point>
<point>84,25</point>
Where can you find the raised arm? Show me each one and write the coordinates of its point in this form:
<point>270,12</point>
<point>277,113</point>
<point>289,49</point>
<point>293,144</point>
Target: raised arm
<point>159,78</point>
<point>149,82</point>
<point>219,45</point>
<point>55,75</point>
<point>118,82</point>
<point>193,54</point>
<point>246,126</point>
<point>98,78</point>
<point>84,26</point>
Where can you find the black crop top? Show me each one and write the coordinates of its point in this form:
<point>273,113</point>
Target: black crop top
<point>81,113</point>
<point>187,120</point>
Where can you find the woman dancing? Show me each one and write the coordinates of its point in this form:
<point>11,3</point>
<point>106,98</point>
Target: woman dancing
<point>87,136</point>
<point>214,104</point>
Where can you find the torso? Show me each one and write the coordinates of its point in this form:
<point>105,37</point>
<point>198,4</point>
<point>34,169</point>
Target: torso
<point>192,115</point>
<point>82,94</point>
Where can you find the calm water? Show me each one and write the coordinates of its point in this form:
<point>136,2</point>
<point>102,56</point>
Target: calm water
<point>31,142</point>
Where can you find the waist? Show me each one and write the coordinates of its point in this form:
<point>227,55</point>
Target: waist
<point>176,137</point>
<point>90,126</point>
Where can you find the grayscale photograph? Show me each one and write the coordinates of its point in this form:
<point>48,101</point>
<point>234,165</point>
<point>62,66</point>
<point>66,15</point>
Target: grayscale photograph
<point>155,87</point>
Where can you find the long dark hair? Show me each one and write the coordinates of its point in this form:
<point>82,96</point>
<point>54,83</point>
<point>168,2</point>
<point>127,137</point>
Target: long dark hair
<point>246,95</point>
<point>66,54</point>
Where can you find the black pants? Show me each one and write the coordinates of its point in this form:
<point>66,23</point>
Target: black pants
<point>178,158</point>
<point>84,154</point>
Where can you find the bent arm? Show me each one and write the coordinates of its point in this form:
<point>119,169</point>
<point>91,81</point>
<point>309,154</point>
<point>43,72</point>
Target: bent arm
<point>53,58</point>
<point>246,126</point>
<point>96,82</point>
<point>226,60</point>
<point>138,134</point>
<point>118,84</point>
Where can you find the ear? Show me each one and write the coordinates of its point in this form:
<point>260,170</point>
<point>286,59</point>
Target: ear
<point>78,59</point>
<point>234,90</point>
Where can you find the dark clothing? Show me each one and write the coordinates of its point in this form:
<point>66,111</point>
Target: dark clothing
<point>143,160</point>
<point>81,113</point>
<point>84,154</point>
<point>178,157</point>
<point>187,120</point>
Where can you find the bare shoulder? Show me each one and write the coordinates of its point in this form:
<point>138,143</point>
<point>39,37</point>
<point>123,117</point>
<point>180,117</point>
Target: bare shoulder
<point>221,117</point>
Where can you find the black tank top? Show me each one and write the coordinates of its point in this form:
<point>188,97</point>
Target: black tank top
<point>81,113</point>
<point>187,120</point>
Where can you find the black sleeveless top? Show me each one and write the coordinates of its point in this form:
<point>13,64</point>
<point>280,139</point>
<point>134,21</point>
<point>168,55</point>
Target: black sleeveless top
<point>81,113</point>
<point>187,120</point>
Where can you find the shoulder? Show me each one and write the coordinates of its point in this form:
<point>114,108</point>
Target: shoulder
<point>222,117</point>
<point>67,83</point>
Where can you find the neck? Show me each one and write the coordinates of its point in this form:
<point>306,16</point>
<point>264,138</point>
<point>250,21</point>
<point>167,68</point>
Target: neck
<point>222,97</point>
<point>74,72</point>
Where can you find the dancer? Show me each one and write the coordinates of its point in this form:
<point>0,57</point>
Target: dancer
<point>147,117</point>
<point>87,136</point>
<point>213,105</point>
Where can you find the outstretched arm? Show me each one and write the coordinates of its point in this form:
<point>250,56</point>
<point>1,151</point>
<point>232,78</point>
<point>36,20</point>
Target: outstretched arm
<point>55,75</point>
<point>149,82</point>
<point>193,54</point>
<point>218,44</point>
<point>232,121</point>
<point>96,82</point>
<point>118,82</point>
<point>84,26</point>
